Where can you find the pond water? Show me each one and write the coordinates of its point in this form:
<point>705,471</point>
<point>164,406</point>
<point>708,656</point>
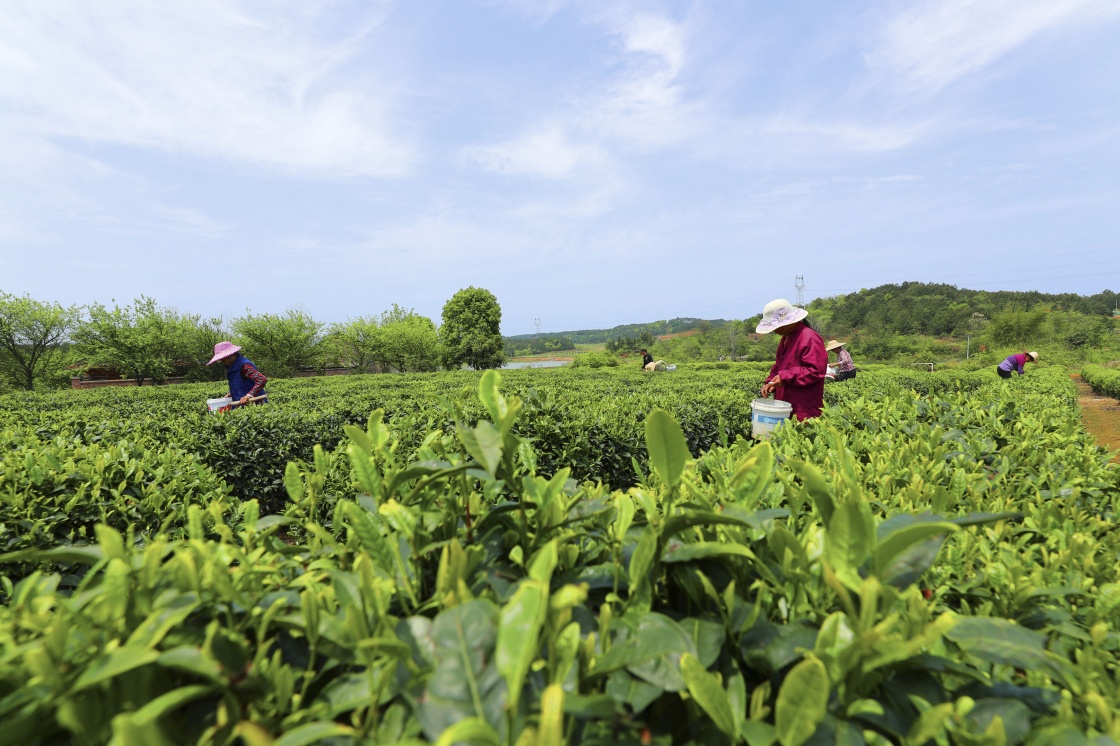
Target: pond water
<point>537,364</point>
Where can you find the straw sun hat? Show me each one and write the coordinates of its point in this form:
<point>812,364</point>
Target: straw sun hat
<point>1034,356</point>
<point>223,349</point>
<point>834,345</point>
<point>779,313</point>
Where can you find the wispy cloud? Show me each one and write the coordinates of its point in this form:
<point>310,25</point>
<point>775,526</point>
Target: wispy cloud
<point>538,11</point>
<point>516,143</point>
<point>931,44</point>
<point>585,139</point>
<point>205,78</point>
<point>549,153</point>
<point>189,220</point>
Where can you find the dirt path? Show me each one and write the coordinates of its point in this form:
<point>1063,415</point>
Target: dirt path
<point>1101,415</point>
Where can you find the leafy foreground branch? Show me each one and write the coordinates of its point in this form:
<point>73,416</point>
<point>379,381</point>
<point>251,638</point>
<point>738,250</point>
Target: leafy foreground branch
<point>452,594</point>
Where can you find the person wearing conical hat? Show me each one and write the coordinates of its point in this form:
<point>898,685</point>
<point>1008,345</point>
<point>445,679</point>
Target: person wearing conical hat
<point>1015,362</point>
<point>797,375</point>
<point>845,368</point>
<point>245,381</point>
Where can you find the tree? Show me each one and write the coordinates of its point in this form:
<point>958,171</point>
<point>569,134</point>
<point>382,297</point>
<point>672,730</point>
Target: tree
<point>199,343</point>
<point>357,342</point>
<point>141,341</point>
<point>32,336</point>
<point>408,341</point>
<point>471,332</point>
<point>281,344</point>
<point>1016,327</point>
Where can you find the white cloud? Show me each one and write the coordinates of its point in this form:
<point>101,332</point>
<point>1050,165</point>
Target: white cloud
<point>809,134</point>
<point>189,220</point>
<point>548,153</point>
<point>645,103</point>
<point>438,236</point>
<point>259,83</point>
<point>635,105</point>
<point>933,43</point>
<point>537,10</point>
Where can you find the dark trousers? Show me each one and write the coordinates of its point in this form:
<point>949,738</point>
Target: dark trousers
<point>1003,373</point>
<point>844,375</point>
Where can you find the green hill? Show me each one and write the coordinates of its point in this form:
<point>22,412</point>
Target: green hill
<point>942,310</point>
<point>653,328</point>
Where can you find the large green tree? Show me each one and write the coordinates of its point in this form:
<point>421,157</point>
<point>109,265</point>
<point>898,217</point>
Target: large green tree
<point>143,340</point>
<point>398,340</point>
<point>281,343</point>
<point>355,343</point>
<point>32,339</point>
<point>409,341</point>
<point>471,332</point>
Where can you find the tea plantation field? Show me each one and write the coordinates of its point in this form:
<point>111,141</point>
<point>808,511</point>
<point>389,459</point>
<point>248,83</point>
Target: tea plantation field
<point>559,556</point>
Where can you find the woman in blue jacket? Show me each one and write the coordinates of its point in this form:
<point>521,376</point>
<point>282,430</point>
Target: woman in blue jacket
<point>245,381</point>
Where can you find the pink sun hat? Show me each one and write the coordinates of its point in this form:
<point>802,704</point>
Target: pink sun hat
<point>779,313</point>
<point>223,349</point>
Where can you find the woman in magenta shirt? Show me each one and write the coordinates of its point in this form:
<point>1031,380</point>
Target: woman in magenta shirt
<point>1016,362</point>
<point>797,376</point>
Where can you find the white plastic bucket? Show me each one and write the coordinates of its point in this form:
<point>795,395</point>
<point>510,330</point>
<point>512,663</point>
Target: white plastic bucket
<point>767,414</point>
<point>216,404</point>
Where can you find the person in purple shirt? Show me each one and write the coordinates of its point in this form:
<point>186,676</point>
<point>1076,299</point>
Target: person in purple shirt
<point>797,375</point>
<point>1016,362</point>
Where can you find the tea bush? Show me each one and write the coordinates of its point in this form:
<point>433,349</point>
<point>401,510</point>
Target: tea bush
<point>595,360</point>
<point>1103,380</point>
<point>53,494</point>
<point>587,420</point>
<point>933,561</point>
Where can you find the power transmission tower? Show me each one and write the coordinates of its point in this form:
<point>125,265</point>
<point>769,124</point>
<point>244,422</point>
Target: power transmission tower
<point>799,286</point>
<point>537,323</point>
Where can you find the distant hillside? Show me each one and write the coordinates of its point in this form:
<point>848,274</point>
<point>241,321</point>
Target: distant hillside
<point>654,328</point>
<point>937,310</point>
<point>874,319</point>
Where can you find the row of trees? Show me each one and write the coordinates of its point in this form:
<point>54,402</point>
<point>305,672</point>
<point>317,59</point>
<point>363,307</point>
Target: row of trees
<point>42,343</point>
<point>521,347</point>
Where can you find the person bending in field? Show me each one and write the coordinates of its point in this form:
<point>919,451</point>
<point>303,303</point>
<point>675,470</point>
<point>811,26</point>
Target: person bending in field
<point>845,368</point>
<point>245,381</point>
<point>1016,362</point>
<point>797,375</point>
<point>648,362</point>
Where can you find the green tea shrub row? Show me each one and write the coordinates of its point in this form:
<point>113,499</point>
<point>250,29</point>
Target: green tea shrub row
<point>586,420</point>
<point>53,493</point>
<point>1105,381</point>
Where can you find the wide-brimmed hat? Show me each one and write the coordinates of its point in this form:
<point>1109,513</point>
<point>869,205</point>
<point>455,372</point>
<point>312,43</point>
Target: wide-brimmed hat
<point>834,345</point>
<point>779,313</point>
<point>1034,356</point>
<point>223,349</point>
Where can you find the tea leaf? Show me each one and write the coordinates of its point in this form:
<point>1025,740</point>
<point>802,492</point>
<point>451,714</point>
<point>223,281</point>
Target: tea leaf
<point>802,702</point>
<point>706,690</point>
<point>519,628</point>
<point>668,450</point>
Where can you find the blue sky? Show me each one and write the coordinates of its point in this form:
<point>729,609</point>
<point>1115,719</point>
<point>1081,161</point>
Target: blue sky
<point>590,163</point>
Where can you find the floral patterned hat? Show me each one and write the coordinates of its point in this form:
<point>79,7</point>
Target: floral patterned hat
<point>779,313</point>
<point>223,349</point>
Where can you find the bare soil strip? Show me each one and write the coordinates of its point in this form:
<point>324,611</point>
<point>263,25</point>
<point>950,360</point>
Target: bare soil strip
<point>1101,416</point>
